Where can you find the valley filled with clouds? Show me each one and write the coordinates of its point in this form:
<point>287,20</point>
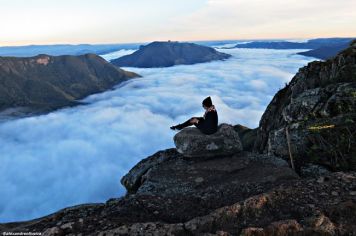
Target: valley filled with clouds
<point>78,155</point>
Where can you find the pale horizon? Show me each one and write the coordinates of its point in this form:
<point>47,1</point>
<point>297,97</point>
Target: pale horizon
<point>41,22</point>
<point>162,40</point>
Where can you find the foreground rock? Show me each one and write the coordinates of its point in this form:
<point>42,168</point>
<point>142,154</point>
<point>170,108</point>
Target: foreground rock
<point>47,82</point>
<point>318,107</point>
<point>323,206</point>
<point>317,206</point>
<point>192,143</point>
<point>166,187</point>
<point>165,54</point>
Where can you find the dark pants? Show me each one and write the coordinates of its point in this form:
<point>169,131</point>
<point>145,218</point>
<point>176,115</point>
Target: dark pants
<point>188,122</point>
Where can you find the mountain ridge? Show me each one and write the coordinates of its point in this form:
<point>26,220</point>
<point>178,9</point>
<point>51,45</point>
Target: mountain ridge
<point>63,49</point>
<point>48,82</point>
<point>321,48</point>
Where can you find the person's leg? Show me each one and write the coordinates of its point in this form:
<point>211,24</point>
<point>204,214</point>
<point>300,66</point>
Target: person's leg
<point>187,123</point>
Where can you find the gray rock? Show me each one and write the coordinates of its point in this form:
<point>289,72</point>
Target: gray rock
<point>136,175</point>
<point>313,171</point>
<point>247,136</point>
<point>192,143</point>
<point>235,175</point>
<point>269,213</point>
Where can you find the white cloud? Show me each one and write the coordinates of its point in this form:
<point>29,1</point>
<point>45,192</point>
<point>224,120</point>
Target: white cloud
<point>117,54</point>
<point>79,154</point>
<point>258,84</point>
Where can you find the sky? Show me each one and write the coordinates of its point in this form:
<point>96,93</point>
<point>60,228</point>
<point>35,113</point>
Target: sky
<point>25,22</point>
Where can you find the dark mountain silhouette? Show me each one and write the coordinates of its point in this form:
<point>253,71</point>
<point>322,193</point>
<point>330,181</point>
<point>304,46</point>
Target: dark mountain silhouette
<point>310,44</point>
<point>326,52</point>
<point>323,48</point>
<point>49,82</point>
<point>165,54</point>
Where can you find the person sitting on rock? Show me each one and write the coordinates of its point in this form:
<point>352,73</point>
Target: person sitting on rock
<point>207,124</point>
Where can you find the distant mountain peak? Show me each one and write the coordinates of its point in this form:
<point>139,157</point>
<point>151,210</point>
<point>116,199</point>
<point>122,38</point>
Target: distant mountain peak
<point>169,53</point>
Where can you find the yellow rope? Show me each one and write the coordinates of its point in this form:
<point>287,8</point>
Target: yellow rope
<point>289,149</point>
<point>321,127</point>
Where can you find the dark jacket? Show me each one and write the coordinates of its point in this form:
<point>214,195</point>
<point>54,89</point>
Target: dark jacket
<point>209,123</point>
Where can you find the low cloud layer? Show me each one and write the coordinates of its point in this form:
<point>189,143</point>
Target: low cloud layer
<point>78,155</point>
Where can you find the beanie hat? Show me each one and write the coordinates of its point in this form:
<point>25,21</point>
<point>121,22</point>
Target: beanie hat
<point>207,102</point>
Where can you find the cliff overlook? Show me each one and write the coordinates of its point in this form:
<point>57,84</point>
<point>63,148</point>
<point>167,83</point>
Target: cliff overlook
<point>243,192</point>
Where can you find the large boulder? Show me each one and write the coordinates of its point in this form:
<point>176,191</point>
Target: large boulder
<point>192,143</point>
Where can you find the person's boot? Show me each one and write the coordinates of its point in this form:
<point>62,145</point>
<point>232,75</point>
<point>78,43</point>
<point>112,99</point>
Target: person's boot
<point>177,127</point>
<point>181,126</point>
<point>173,127</point>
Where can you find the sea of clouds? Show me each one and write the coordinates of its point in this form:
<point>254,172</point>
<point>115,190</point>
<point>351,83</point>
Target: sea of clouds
<point>78,155</point>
